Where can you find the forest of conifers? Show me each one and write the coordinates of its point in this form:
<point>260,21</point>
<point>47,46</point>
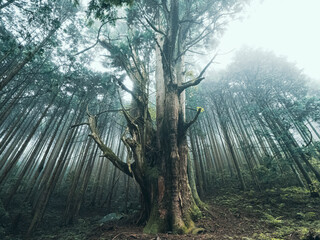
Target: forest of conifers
<point>114,124</point>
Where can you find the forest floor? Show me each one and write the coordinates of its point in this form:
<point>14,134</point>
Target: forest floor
<point>287,213</point>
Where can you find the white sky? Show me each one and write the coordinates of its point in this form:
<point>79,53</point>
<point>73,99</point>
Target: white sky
<point>289,28</point>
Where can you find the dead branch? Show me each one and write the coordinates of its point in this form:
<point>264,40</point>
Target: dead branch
<point>187,125</point>
<point>198,79</point>
<point>98,35</point>
<point>107,152</point>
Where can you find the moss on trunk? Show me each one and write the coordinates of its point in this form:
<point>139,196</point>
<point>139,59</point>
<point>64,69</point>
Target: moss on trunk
<point>155,223</point>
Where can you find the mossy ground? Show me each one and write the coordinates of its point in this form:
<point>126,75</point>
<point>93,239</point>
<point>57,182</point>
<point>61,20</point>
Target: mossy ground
<point>286,213</point>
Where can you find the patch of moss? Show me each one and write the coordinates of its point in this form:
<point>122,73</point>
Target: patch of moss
<point>187,225</point>
<point>195,212</point>
<point>182,228</point>
<point>155,224</point>
<point>287,231</point>
<point>265,236</point>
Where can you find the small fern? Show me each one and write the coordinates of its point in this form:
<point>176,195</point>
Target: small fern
<point>272,220</point>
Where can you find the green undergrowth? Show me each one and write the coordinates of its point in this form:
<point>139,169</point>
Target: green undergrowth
<point>287,213</point>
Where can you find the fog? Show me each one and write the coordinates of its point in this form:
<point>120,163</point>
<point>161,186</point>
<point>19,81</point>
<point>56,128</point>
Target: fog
<point>287,27</point>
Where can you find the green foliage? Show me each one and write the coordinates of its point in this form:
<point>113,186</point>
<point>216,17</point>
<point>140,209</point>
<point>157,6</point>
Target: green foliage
<point>272,220</point>
<point>269,173</point>
<point>309,216</point>
<point>306,107</point>
<point>105,9</point>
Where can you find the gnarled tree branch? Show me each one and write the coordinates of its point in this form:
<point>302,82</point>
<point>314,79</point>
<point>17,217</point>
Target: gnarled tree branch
<point>107,152</point>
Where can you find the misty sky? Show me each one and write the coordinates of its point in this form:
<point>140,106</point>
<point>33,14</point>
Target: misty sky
<point>289,28</point>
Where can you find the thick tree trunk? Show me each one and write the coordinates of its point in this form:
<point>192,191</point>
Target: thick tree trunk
<point>172,205</point>
<point>173,208</point>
